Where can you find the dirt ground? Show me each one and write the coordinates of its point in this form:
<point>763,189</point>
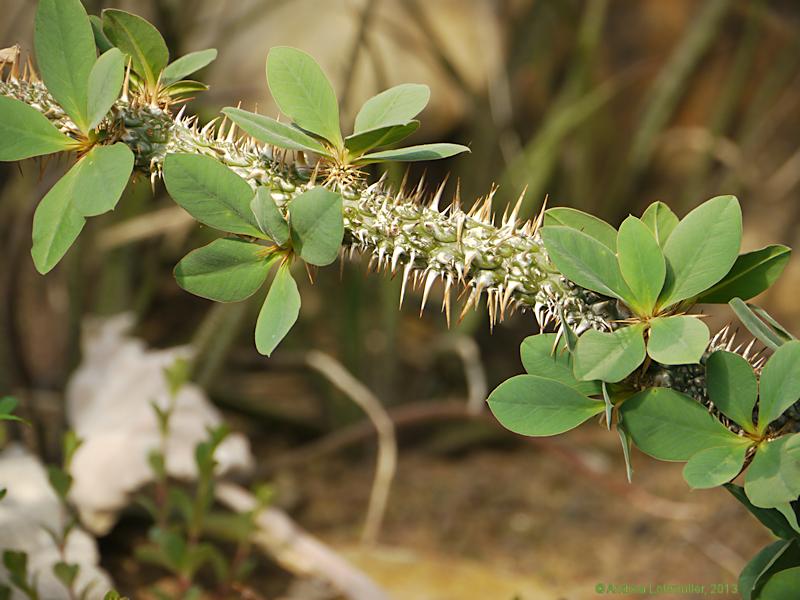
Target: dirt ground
<point>477,525</point>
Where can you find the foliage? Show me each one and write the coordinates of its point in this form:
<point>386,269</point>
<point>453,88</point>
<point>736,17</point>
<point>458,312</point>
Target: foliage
<point>305,95</point>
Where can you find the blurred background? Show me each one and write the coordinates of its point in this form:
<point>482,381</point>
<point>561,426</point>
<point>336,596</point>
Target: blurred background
<point>602,105</point>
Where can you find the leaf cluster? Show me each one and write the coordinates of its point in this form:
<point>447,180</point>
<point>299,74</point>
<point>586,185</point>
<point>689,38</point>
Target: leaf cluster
<point>305,95</point>
<point>657,267</point>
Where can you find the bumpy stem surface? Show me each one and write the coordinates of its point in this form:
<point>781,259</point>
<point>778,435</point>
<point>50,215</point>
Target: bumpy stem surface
<point>465,250</point>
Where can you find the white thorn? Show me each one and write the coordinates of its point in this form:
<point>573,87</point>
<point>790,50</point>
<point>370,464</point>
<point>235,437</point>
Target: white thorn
<point>428,284</point>
<point>406,273</point>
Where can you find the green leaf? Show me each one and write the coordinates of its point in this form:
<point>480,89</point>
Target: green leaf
<point>25,132</point>
<point>278,313</point>
<point>625,440</point>
<point>101,41</point>
<point>92,187</point>
<point>274,132</point>
<point>771,518</point>
<point>588,224</point>
<point>753,573</point>
<point>137,38</point>
<point>732,387</point>
<point>317,225</point>
<point>782,585</point>
<point>413,153</point>
<point>702,249</point>
<point>773,477</point>
<point>66,573</point>
<point>186,65</point>
<point>780,383</point>
<point>641,264</point>
<point>541,356</point>
<point>184,88</point>
<point>105,84</point>
<point>677,340</point>
<point>609,405</point>
<point>7,406</point>
<point>609,356</point>
<point>303,92</point>
<point>211,193</point>
<point>60,481</point>
<point>660,219</point>
<point>395,106</point>
<point>760,324</point>
<point>789,513</point>
<point>570,336</point>
<point>751,274</point>
<point>585,261</point>
<point>226,270</point>
<point>359,143</point>
<point>536,406</point>
<point>670,426</point>
<point>714,466</point>
<point>269,218</point>
<point>65,52</point>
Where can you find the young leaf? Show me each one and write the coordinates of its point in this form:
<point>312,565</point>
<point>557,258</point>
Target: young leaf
<point>100,40</point>
<point>541,356</point>
<point>184,88</point>
<point>609,356</point>
<point>66,573</point>
<point>625,440</point>
<point>588,224</point>
<point>25,132</point>
<point>677,340</point>
<point>773,477</point>
<point>278,313</point>
<point>670,426</point>
<point>413,153</point>
<point>65,52</point>
<point>93,186</point>
<point>609,405</point>
<point>770,518</point>
<point>317,225</point>
<point>226,270</point>
<point>780,383</point>
<point>274,132</point>
<point>359,143</point>
<point>395,106</point>
<point>752,575</point>
<point>137,38</point>
<point>536,406</point>
<point>760,324</point>
<point>783,585</point>
<point>660,219</point>
<point>105,84</point>
<point>269,217</point>
<point>714,466</point>
<point>584,260</point>
<point>7,406</point>
<point>751,274</point>
<point>732,387</point>
<point>303,92</point>
<point>186,65</point>
<point>641,263</point>
<point>702,249</point>
<point>211,193</point>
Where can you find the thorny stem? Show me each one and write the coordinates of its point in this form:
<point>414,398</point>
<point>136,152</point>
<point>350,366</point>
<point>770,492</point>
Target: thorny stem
<point>463,249</point>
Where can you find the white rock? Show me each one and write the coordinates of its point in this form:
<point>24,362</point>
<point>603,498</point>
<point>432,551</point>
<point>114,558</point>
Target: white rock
<point>28,510</point>
<point>109,405</point>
